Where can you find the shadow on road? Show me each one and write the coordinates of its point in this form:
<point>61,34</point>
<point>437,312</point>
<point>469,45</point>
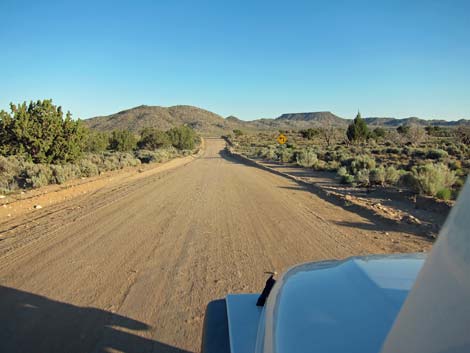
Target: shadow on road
<point>33,323</point>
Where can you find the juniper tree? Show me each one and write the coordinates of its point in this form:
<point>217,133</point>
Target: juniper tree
<point>357,130</point>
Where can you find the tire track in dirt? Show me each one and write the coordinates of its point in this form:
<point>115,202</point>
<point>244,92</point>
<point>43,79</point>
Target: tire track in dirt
<point>131,266</point>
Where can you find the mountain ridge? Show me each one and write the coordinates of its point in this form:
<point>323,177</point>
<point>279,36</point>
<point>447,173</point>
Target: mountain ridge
<point>205,121</point>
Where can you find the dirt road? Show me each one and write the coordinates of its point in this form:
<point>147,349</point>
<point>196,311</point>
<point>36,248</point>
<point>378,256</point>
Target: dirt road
<point>131,267</point>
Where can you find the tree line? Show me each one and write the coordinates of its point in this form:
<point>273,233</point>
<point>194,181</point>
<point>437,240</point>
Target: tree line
<point>359,132</point>
<point>42,133</point>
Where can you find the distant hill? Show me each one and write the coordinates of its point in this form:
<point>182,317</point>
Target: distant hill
<point>163,118</point>
<point>318,118</point>
<point>393,122</point>
<point>209,123</point>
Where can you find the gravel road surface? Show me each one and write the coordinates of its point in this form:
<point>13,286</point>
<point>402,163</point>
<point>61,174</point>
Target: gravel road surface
<point>130,267</point>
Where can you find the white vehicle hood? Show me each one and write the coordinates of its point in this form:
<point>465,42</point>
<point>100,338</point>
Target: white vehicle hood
<point>337,306</point>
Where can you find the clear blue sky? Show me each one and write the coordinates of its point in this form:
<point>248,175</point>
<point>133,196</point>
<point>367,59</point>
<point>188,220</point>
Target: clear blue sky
<point>251,59</point>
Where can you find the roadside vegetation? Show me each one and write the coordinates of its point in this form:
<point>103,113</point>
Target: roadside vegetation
<point>431,161</point>
<point>40,146</point>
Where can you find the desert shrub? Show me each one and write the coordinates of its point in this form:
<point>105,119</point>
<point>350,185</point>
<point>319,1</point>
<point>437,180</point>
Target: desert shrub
<point>418,153</point>
<point>377,176</point>
<point>333,166</point>
<point>321,165</point>
<point>158,156</point>
<point>403,129</point>
<point>109,161</point>
<point>127,160</point>
<point>269,153</point>
<point>362,162</point>
<point>454,150</point>
<point>408,180</point>
<point>455,165</point>
<point>463,134</point>
<point>407,151</point>
<point>444,194</point>
<point>309,133</point>
<point>378,132</point>
<point>87,168</point>
<point>460,182</point>
<point>436,154</point>
<point>362,176</point>
<point>393,150</point>
<point>306,158</point>
<point>415,134</point>
<point>10,168</point>
<point>391,175</point>
<point>347,179</point>
<point>284,155</point>
<point>63,173</point>
<point>430,178</point>
<point>237,132</point>
<point>342,171</point>
<point>262,152</point>
<point>344,158</point>
<point>36,175</point>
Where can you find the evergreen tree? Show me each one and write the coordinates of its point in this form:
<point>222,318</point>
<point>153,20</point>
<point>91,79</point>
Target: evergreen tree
<point>122,141</point>
<point>357,130</point>
<point>152,139</point>
<point>96,141</point>
<point>182,137</point>
<point>39,131</point>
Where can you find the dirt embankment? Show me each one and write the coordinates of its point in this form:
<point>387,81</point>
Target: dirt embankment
<point>131,266</point>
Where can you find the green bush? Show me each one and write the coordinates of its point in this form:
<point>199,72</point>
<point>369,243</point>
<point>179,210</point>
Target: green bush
<point>9,170</point>
<point>393,150</point>
<point>362,177</point>
<point>37,175</point>
<point>87,168</point>
<point>391,175</point>
<point>347,179</point>
<point>377,176</point>
<point>436,154</point>
<point>152,139</point>
<point>237,132</point>
<point>430,178</point>
<point>127,160</point>
<point>269,153</point>
<point>378,132</point>
<point>40,131</point>
<point>158,156</point>
<point>96,141</point>
<point>418,153</point>
<point>183,138</point>
<point>284,155</point>
<point>362,162</point>
<point>444,194</point>
<point>333,166</point>
<point>63,173</point>
<point>306,158</point>
<point>342,171</point>
<point>309,134</point>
